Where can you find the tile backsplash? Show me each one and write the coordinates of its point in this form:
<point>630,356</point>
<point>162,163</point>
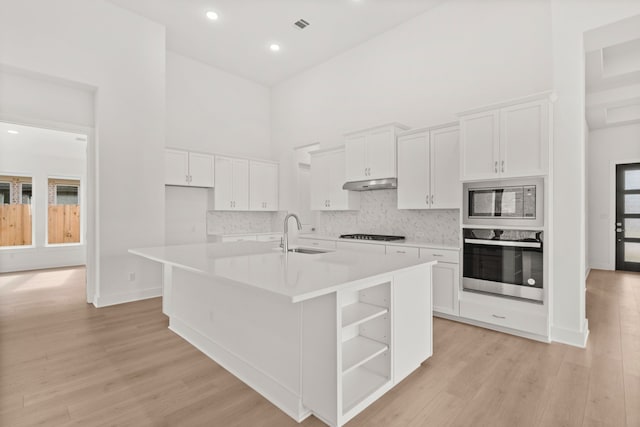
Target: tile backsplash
<point>379,214</point>
<point>224,222</point>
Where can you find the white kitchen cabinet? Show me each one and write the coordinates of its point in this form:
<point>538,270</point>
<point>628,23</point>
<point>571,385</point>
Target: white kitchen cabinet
<point>327,178</point>
<point>185,168</point>
<point>232,179</point>
<point>317,243</point>
<point>516,315</point>
<point>243,238</point>
<point>362,247</point>
<point>507,140</point>
<point>263,186</point>
<point>403,250</point>
<point>371,153</point>
<point>428,169</point>
<point>445,279</point>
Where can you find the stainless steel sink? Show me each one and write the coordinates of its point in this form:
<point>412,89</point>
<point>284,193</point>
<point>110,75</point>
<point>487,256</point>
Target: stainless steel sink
<point>308,251</point>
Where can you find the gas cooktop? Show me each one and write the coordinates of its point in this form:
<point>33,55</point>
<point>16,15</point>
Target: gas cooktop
<point>371,237</point>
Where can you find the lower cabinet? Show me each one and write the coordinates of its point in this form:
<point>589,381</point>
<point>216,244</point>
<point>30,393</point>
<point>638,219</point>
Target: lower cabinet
<point>362,247</point>
<point>445,275</point>
<point>446,280</point>
<point>517,315</point>
<point>317,243</point>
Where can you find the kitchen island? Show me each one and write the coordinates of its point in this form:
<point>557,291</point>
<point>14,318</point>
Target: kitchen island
<point>323,333</point>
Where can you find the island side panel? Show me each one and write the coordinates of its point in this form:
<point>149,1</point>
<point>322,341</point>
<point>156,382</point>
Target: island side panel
<point>412,320</point>
<point>320,357</point>
<point>253,334</point>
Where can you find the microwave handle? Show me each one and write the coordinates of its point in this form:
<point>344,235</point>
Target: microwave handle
<point>504,243</point>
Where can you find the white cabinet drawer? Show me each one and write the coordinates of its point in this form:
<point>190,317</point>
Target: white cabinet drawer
<point>363,247</point>
<point>403,250</point>
<point>507,317</point>
<point>227,239</point>
<point>269,237</point>
<point>317,243</point>
<point>443,255</point>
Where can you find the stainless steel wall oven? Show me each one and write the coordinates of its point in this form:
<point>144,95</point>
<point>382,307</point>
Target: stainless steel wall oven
<point>504,262</point>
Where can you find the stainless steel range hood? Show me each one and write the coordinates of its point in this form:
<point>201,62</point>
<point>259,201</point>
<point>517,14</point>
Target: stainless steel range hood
<point>371,184</point>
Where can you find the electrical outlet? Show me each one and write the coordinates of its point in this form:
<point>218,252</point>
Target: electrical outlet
<point>132,276</point>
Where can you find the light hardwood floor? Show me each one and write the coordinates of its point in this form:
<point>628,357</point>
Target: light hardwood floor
<point>65,363</point>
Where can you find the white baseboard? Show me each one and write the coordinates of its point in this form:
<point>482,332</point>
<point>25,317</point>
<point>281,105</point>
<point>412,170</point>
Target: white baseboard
<point>600,266</point>
<point>571,337</point>
<point>121,298</point>
<point>286,400</point>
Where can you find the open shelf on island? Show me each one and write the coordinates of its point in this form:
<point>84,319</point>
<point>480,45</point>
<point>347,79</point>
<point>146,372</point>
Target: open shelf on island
<point>359,384</point>
<point>358,351</point>
<point>360,312</point>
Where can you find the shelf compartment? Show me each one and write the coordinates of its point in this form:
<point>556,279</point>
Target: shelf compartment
<point>359,384</point>
<point>360,312</point>
<point>358,351</point>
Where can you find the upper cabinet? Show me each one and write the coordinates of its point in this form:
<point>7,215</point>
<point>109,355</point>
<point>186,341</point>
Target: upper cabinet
<point>371,153</point>
<point>188,169</point>
<point>232,189</point>
<point>263,186</point>
<point>428,174</point>
<point>508,140</point>
<point>327,178</point>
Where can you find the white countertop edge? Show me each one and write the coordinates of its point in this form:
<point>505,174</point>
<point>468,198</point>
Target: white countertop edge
<point>408,243</point>
<point>354,283</point>
<point>293,299</point>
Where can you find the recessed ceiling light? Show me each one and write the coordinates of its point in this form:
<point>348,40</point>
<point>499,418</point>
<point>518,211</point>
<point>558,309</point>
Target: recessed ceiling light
<point>274,47</point>
<point>13,132</point>
<point>212,15</point>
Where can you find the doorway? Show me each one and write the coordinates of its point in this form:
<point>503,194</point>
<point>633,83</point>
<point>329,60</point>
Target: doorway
<point>628,217</point>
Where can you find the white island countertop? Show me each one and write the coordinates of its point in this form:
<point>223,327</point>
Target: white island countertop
<point>296,276</point>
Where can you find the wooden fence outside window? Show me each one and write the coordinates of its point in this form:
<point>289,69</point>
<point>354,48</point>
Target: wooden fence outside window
<point>16,220</point>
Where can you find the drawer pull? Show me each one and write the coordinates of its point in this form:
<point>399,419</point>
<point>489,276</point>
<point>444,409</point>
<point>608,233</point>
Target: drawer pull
<point>401,252</point>
<point>439,255</point>
<point>499,317</point>
<point>315,243</point>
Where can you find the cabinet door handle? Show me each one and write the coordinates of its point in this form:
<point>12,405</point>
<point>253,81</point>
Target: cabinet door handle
<point>495,166</point>
<point>186,178</point>
<point>432,199</point>
<point>499,317</point>
<point>503,166</point>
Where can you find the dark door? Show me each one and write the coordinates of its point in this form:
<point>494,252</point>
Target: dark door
<point>628,217</point>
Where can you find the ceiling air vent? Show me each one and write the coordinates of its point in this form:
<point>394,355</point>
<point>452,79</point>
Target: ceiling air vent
<point>301,23</point>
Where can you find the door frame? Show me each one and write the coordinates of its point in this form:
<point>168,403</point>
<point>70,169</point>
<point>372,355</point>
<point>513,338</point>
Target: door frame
<point>612,208</point>
<point>90,233</point>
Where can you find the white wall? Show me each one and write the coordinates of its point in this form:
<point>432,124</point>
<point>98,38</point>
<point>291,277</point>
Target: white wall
<point>123,56</point>
<point>42,154</point>
<point>213,111</point>
<point>456,56</point>
<point>66,102</point>
<point>606,148</point>
<point>570,20</point>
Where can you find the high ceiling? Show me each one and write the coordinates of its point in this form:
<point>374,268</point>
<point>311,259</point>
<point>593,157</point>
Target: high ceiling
<point>238,41</point>
<point>612,64</point>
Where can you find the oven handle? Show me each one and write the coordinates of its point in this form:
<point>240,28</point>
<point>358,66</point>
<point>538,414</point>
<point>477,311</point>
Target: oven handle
<point>504,243</point>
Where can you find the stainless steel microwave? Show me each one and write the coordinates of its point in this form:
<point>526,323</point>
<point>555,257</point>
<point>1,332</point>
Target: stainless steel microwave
<point>513,202</point>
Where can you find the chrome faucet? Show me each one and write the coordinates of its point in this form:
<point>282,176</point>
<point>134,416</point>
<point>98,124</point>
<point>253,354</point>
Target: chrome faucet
<point>285,241</point>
